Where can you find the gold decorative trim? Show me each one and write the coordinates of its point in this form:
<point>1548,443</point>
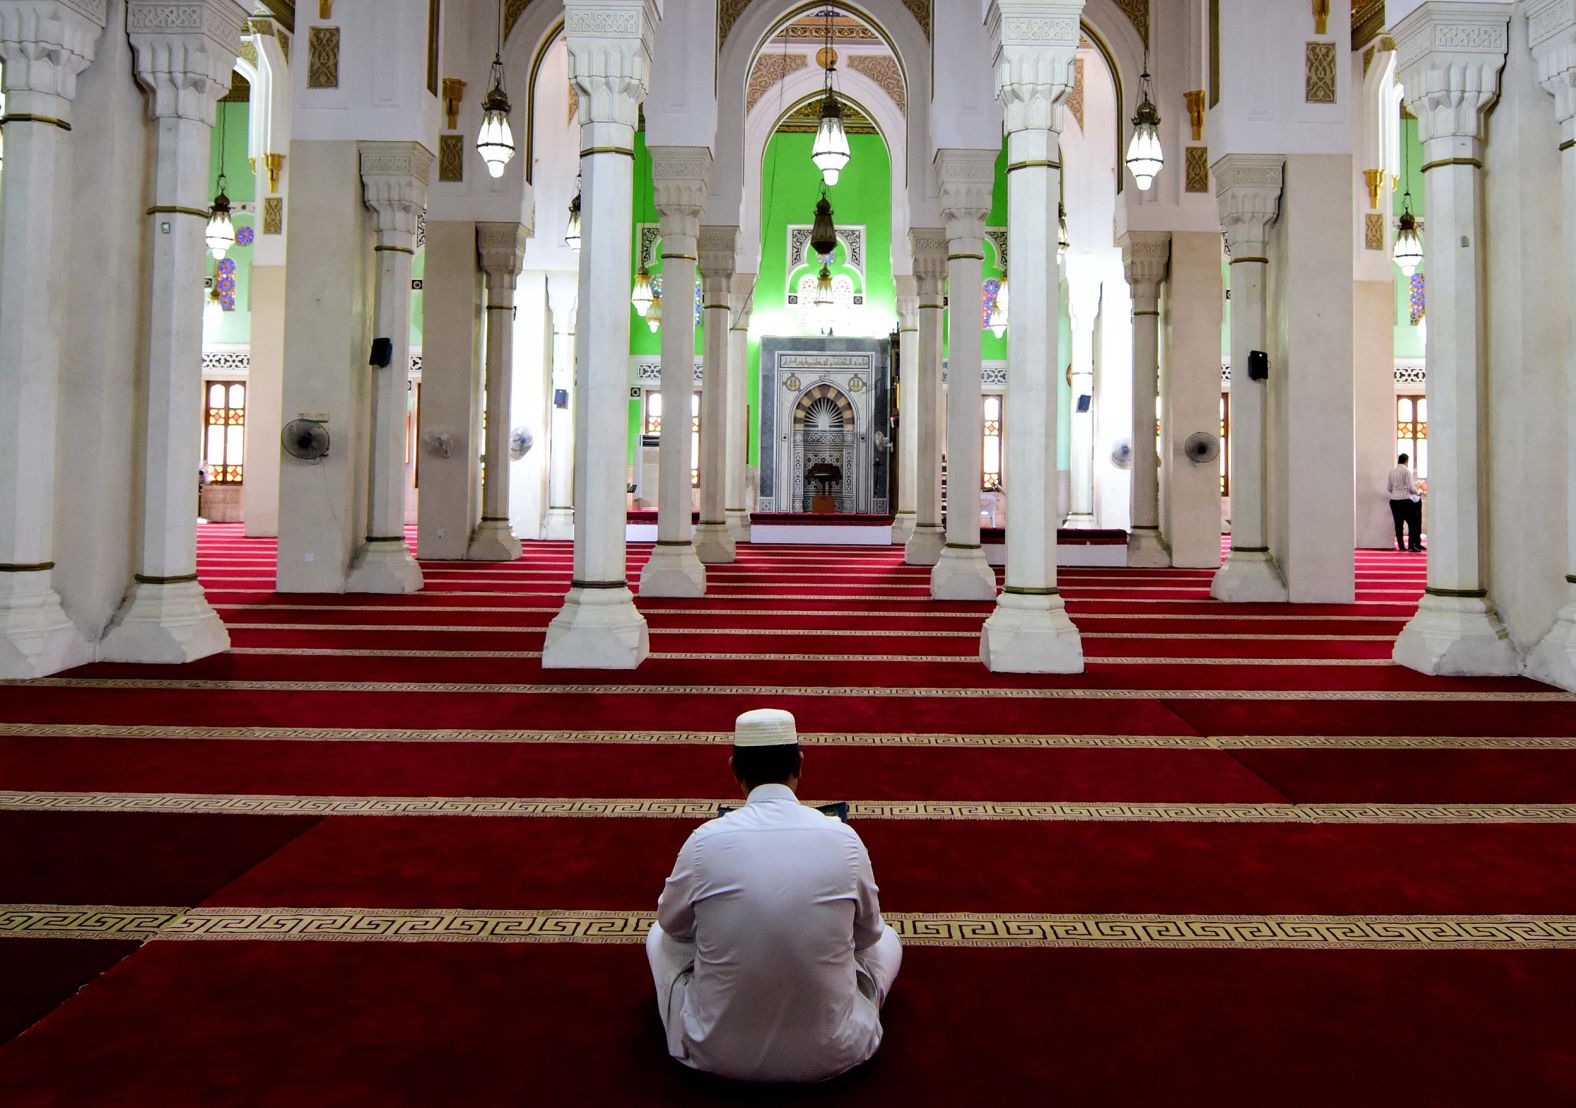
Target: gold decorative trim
<point>1196,176</point>
<point>387,249</point>
<point>959,929</point>
<point>1033,163</point>
<point>179,579</point>
<point>26,117</point>
<point>1439,163</point>
<point>939,740</point>
<point>451,156</point>
<point>1243,261</point>
<point>26,567</point>
<point>1466,696</point>
<point>1373,231</point>
<point>591,150</point>
<point>706,808</point>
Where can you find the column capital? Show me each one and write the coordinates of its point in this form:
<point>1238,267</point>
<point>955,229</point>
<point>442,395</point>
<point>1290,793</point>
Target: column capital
<point>680,185</point>
<point>500,247</point>
<point>907,303</point>
<point>1448,58</point>
<point>1033,43</point>
<point>185,50</point>
<point>929,246</point>
<point>741,299</point>
<point>394,185</point>
<point>1146,256</point>
<point>610,44</point>
<point>45,45</point>
<point>1551,32</point>
<point>563,299</point>
<point>1247,190</point>
<point>718,248</point>
<point>965,179</point>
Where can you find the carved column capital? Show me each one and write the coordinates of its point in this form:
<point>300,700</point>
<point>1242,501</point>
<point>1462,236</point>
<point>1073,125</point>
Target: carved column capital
<point>185,51</point>
<point>1247,190</point>
<point>500,248</point>
<point>718,251</point>
<point>1551,32</point>
<point>45,45</point>
<point>907,303</point>
<point>1448,57</point>
<point>394,185</point>
<point>1146,256</point>
<point>1033,44</point>
<point>610,43</point>
<point>929,245</point>
<point>965,179</point>
<point>741,299</point>
<point>680,177</point>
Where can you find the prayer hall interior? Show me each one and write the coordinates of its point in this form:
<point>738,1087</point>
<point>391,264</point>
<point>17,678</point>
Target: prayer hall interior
<point>484,402</point>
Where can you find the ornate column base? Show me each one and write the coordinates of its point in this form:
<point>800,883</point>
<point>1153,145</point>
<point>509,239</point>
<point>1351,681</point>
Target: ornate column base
<point>1031,634</point>
<point>596,629</point>
<point>673,570</point>
<point>36,635</point>
<point>169,623</point>
<point>1146,549</point>
<point>492,541</point>
<point>924,546</point>
<point>714,544</point>
<point>384,567</point>
<point>963,574</point>
<point>738,525</point>
<point>560,524</point>
<point>1248,577</point>
<point>1457,636</point>
<point>1553,660</point>
<point>903,527</point>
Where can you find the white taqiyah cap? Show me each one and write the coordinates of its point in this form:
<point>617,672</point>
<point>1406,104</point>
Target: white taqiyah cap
<point>765,727</point>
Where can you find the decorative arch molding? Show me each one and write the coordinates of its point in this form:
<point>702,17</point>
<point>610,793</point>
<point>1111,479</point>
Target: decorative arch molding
<point>824,404</point>
<point>729,11</point>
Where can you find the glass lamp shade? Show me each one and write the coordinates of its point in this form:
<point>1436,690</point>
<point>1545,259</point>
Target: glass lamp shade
<point>572,232</point>
<point>830,152</point>
<point>825,304</point>
<point>642,297</point>
<point>496,140</point>
<point>220,234</point>
<point>1408,244</point>
<point>654,315</point>
<point>823,233</point>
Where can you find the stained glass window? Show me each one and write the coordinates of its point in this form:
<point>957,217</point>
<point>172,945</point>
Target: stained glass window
<point>224,431</point>
<point>1411,431</point>
<point>990,471</point>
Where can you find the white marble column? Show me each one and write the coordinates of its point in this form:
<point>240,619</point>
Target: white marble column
<point>394,185</point>
<point>925,544</point>
<point>741,301</point>
<point>561,299</point>
<point>501,249</point>
<point>907,426</point>
<point>1450,56</point>
<point>679,176</point>
<point>609,64</point>
<point>1145,256</point>
<point>1552,24</point>
<point>714,543</point>
<point>1247,190</point>
<point>44,45</point>
<point>185,65</point>
<point>1034,43</point>
<point>1083,309</point>
<point>964,178</point>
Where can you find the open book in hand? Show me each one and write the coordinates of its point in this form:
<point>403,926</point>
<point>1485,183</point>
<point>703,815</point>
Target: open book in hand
<point>838,810</point>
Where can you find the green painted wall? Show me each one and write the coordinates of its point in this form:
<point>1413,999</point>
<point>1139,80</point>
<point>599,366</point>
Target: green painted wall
<point>1409,339</point>
<point>240,187</point>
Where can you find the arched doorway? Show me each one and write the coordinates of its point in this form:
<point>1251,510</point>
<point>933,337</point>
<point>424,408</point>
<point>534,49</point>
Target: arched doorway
<point>826,455</point>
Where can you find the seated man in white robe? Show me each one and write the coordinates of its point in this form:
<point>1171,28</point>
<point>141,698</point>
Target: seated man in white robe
<point>770,955</point>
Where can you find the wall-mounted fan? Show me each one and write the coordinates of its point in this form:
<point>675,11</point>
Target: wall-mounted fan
<point>1201,448</point>
<point>305,439</point>
<point>520,442</point>
<point>1122,454</point>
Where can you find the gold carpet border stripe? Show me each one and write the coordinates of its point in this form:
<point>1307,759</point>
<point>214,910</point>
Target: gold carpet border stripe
<point>918,598</point>
<point>948,929</point>
<point>943,740</point>
<point>831,613</point>
<point>703,809</point>
<point>697,656</point>
<point>793,632</point>
<point>1467,696</point>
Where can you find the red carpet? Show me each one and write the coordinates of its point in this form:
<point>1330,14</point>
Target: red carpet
<point>1324,914</point>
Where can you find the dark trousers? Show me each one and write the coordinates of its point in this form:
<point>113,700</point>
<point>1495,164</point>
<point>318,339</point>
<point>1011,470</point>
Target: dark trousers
<point>1407,513</point>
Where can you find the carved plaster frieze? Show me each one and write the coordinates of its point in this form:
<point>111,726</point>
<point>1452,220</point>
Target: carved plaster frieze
<point>610,44</point>
<point>394,185</point>
<point>1035,43</point>
<point>45,45</point>
<point>1551,31</point>
<point>185,50</point>
<point>884,71</point>
<point>1247,190</point>
<point>500,248</point>
<point>767,71</point>
<point>1448,59</point>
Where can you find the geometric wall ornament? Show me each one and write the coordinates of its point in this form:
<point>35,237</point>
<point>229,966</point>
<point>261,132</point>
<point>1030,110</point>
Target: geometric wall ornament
<point>451,157</point>
<point>1320,62</point>
<point>852,238</point>
<point>322,57</point>
<point>1075,98</point>
<point>273,215</point>
<point>884,71</point>
<point>1373,231</point>
<point>1138,12</point>
<point>997,237</point>
<point>1197,169</point>
<point>768,70</point>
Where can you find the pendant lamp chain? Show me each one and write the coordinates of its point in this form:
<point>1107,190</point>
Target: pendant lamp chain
<point>830,153</point>
<point>642,296</point>
<point>1408,243</point>
<point>496,140</point>
<point>1144,154</point>
<point>220,234</point>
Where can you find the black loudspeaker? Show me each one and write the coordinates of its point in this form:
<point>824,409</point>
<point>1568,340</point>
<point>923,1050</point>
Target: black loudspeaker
<point>1258,365</point>
<point>1083,402</point>
<point>560,398</point>
<point>382,352</point>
